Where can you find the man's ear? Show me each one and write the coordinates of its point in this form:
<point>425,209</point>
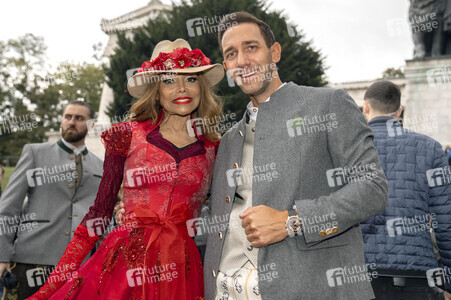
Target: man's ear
<point>276,52</point>
<point>398,113</point>
<point>366,107</point>
<point>224,64</point>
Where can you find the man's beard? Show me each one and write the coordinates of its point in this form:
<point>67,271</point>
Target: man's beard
<point>73,136</point>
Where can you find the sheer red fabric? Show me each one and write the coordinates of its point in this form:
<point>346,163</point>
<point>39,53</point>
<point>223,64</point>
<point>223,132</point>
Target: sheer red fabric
<point>151,256</point>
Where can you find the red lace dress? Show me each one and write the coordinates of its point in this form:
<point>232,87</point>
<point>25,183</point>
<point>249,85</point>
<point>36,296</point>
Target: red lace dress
<point>151,256</point>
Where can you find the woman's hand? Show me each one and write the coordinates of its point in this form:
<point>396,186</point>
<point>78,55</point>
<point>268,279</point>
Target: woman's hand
<point>119,209</point>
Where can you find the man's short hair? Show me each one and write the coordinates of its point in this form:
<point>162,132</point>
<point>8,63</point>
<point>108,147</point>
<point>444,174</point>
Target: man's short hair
<point>384,96</point>
<point>233,19</point>
<point>82,103</point>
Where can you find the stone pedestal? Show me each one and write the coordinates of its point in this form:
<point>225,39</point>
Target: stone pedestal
<point>428,97</point>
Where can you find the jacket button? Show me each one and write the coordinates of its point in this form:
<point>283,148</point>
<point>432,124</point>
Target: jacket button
<point>335,229</point>
<point>71,157</point>
<point>71,169</point>
<point>220,235</point>
<point>250,247</point>
<point>70,216</point>
<point>213,273</point>
<point>67,233</point>
<point>71,185</point>
<point>328,231</point>
<point>206,201</point>
<point>74,200</point>
<point>235,166</point>
<point>227,199</point>
<point>322,233</point>
<point>240,132</point>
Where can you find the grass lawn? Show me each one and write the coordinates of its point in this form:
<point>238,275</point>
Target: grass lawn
<point>8,171</point>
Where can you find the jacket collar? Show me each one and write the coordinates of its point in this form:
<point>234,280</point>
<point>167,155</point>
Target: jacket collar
<point>67,149</point>
<point>381,119</point>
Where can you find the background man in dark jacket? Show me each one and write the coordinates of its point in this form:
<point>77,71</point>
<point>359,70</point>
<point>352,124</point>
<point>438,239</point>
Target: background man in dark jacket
<point>398,240</point>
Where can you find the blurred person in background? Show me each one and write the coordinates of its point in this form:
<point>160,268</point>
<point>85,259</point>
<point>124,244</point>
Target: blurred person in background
<point>60,180</point>
<point>398,240</point>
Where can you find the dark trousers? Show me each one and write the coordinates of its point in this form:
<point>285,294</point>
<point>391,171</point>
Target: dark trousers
<point>412,289</point>
<point>27,286</point>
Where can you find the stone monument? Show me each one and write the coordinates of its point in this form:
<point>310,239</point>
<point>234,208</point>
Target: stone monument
<point>428,74</point>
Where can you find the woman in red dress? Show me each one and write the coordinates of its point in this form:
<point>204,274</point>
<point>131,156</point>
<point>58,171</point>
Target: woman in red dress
<point>165,166</point>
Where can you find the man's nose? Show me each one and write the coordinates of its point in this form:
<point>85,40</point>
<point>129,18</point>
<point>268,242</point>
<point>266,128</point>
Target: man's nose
<point>242,59</point>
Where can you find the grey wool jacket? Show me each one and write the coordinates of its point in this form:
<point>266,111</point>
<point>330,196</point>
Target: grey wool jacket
<point>321,148</point>
<point>37,231</point>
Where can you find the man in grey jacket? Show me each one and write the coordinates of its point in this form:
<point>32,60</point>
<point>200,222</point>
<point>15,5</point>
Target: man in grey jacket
<point>61,181</point>
<point>290,186</point>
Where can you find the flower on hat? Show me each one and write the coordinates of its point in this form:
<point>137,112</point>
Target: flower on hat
<point>179,58</point>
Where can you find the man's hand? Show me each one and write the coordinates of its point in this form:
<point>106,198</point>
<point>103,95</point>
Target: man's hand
<point>264,225</point>
<point>3,266</point>
<point>447,295</point>
<point>120,211</point>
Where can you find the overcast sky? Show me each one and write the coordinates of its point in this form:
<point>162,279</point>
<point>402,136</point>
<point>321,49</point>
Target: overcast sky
<point>360,38</point>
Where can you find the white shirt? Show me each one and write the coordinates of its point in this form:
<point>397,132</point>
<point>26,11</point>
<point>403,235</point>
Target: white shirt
<point>253,111</point>
<point>75,149</point>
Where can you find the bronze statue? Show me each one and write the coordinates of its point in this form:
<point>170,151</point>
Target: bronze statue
<point>430,21</point>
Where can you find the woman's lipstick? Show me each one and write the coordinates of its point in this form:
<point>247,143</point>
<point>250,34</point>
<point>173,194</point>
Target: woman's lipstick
<point>183,100</point>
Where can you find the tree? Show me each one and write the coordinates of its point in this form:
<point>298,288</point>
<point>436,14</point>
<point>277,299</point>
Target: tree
<point>32,97</point>
<point>300,63</point>
<point>392,73</point>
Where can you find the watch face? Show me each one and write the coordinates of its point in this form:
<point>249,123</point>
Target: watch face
<point>294,223</point>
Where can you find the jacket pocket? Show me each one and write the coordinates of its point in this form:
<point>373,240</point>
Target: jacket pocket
<point>336,241</point>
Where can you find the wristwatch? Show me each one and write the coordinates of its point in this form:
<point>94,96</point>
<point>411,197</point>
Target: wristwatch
<point>294,223</point>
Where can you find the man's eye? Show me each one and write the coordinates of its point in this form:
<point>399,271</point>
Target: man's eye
<point>252,47</point>
<point>191,79</point>
<point>230,55</point>
<point>80,118</point>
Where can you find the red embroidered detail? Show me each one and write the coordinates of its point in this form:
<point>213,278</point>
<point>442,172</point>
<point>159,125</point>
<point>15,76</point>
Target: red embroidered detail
<point>78,282</point>
<point>117,139</point>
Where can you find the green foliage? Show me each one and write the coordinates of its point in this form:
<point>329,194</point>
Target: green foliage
<point>32,98</point>
<point>392,73</point>
<point>300,63</point>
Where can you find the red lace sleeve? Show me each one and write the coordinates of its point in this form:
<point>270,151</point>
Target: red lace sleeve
<point>117,139</point>
<point>117,142</point>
